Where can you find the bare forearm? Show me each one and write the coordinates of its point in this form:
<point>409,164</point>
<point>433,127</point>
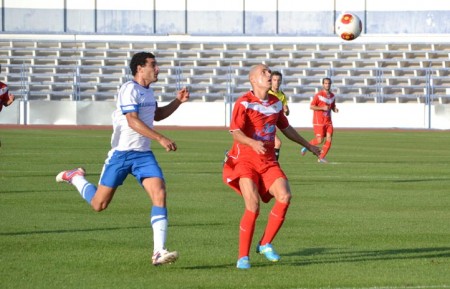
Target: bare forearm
<point>140,127</point>
<point>165,111</point>
<point>257,146</point>
<point>294,136</point>
<point>240,137</point>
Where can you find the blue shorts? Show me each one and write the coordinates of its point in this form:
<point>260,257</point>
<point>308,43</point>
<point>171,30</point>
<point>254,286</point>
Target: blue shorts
<point>140,164</point>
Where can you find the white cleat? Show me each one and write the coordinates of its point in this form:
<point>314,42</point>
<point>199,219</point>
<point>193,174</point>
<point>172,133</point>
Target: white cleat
<point>164,257</point>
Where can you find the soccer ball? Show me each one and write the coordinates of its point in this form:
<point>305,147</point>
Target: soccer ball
<point>348,26</point>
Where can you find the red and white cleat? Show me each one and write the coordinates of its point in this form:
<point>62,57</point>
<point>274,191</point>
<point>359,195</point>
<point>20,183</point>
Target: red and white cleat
<point>67,176</point>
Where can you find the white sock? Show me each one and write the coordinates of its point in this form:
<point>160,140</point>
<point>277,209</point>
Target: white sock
<point>159,225</point>
<point>86,189</point>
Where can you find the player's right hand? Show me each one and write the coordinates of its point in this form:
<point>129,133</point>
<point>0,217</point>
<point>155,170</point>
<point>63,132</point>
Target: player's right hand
<point>315,150</point>
<point>168,144</point>
<point>258,147</point>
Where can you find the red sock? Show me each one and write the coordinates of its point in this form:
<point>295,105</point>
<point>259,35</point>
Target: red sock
<point>276,219</point>
<point>246,229</point>
<point>325,148</point>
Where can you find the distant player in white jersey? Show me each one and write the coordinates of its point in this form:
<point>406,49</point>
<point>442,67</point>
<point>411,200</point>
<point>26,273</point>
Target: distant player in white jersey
<point>131,151</point>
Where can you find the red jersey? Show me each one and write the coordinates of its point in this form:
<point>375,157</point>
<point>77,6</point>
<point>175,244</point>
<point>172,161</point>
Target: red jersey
<point>321,98</point>
<point>257,119</point>
<point>4,95</point>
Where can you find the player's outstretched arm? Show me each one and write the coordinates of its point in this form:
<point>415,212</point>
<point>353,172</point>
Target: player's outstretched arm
<point>165,111</point>
<point>294,136</point>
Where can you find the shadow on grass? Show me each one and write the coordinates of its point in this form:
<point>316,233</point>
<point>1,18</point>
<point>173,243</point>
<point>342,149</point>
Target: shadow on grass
<point>64,231</point>
<point>25,191</point>
<point>70,231</point>
<point>363,180</point>
<point>314,256</point>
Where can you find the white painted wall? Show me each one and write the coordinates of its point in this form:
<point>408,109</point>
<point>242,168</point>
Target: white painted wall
<point>216,114</point>
<point>351,115</point>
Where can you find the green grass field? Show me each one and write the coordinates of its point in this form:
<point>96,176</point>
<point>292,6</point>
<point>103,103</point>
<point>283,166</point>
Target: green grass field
<point>377,216</point>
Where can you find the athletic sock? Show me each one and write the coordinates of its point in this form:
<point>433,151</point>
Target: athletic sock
<point>325,148</point>
<point>246,229</point>
<point>86,189</point>
<point>159,222</point>
<point>275,221</point>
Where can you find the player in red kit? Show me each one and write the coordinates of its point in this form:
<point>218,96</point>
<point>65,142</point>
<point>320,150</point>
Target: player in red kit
<point>322,105</point>
<point>251,167</point>
<point>6,98</point>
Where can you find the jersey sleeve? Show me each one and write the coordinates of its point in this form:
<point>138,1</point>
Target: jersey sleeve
<point>238,116</point>
<point>128,99</point>
<point>282,122</point>
<point>315,100</point>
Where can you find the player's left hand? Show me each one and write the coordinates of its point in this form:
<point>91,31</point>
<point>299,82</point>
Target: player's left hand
<point>183,94</point>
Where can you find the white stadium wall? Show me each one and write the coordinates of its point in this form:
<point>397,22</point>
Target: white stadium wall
<point>217,114</point>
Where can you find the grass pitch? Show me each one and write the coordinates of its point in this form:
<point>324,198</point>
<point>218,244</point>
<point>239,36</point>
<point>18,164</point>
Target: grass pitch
<point>377,216</point>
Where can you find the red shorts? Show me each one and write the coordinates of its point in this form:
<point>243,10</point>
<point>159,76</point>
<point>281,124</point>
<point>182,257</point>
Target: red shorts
<point>262,174</point>
<point>323,129</point>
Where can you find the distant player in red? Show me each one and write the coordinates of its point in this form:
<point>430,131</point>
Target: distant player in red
<point>6,98</point>
<point>251,167</point>
<point>323,104</point>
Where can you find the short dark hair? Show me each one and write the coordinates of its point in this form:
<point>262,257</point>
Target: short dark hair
<point>326,78</point>
<point>139,59</point>
<point>276,73</point>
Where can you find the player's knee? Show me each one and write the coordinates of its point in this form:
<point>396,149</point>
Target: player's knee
<point>252,204</point>
<point>284,197</point>
<point>252,208</point>
<point>159,198</point>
